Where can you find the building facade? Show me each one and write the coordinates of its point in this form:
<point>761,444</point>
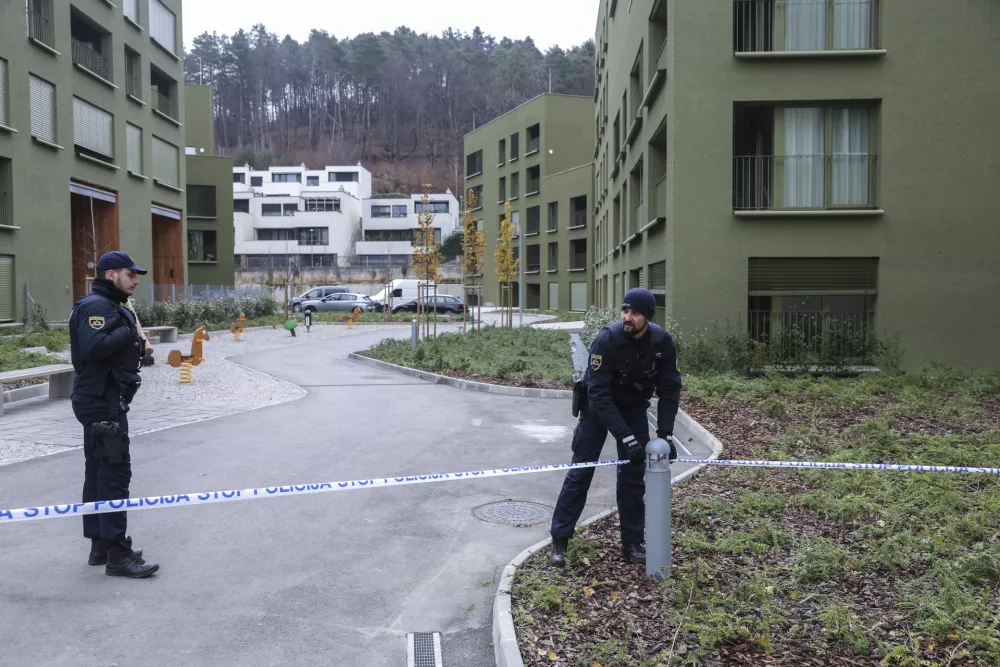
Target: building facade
<point>289,218</point>
<point>389,227</point>
<point>210,223</point>
<point>90,146</point>
<point>539,158</point>
<point>768,165</point>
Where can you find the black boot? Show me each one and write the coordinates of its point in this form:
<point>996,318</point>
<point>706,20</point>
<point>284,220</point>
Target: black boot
<point>634,553</point>
<point>559,545</point>
<point>99,551</point>
<point>122,562</point>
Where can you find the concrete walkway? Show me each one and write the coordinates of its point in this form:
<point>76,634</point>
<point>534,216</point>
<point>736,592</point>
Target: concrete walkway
<point>332,579</point>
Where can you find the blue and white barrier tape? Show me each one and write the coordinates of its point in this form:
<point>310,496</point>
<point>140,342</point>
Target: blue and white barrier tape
<point>843,466</point>
<point>187,499</point>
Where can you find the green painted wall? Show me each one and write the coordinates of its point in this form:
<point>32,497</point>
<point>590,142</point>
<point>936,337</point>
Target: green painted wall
<point>41,175</point>
<point>565,158</point>
<point>199,119</point>
<point>937,240</point>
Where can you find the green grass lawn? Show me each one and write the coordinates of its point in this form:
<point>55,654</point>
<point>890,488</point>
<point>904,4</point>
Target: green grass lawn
<point>522,356</point>
<point>820,567</point>
<point>12,358</point>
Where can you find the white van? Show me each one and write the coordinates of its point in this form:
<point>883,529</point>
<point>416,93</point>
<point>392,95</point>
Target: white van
<point>402,290</point>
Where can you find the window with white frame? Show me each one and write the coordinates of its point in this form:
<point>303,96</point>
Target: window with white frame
<point>325,204</point>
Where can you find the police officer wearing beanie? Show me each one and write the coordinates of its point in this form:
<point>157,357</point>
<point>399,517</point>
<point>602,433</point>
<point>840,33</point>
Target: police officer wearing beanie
<point>106,347</point>
<point>629,359</point>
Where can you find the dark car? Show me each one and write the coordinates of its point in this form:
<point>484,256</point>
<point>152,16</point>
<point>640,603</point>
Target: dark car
<point>445,304</point>
<point>315,294</point>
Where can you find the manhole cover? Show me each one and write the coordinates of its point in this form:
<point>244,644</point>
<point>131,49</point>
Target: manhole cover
<point>513,513</point>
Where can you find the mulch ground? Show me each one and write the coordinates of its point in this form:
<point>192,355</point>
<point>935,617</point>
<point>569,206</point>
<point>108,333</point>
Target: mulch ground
<point>602,611</point>
<point>506,382</point>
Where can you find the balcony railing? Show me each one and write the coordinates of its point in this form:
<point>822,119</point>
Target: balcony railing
<point>165,104</point>
<point>763,26</point>
<point>803,335</point>
<point>6,212</point>
<point>87,56</point>
<point>39,28</point>
<point>578,218</point>
<point>533,145</point>
<point>804,182</point>
<point>658,204</point>
<point>132,82</point>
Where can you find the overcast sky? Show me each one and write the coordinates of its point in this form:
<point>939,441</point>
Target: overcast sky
<point>548,22</point>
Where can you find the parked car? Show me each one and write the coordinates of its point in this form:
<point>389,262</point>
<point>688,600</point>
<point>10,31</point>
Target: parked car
<point>400,291</point>
<point>445,304</point>
<point>338,302</point>
<point>315,294</point>
<point>217,294</point>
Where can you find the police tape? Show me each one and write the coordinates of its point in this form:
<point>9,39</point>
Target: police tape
<point>206,497</point>
<point>842,466</point>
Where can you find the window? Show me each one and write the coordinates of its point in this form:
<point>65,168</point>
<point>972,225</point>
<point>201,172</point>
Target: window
<point>276,234</point>
<point>268,210</point>
<point>578,212</point>
<point>502,187</point>
<point>514,148</point>
<point>515,185</point>
<point>42,100</point>
<point>314,236</point>
<point>399,211</point>
<point>390,234</point>
<point>312,180</point>
<point>7,283</point>
<point>40,21</point>
<point>431,207</point>
<point>824,157</point>
<point>133,148</point>
<point>534,175</point>
<point>515,222</point>
<point>534,216</point>
<point>130,8</point>
<point>286,178</point>
<point>289,210</point>
<point>635,187</point>
<point>804,25</point>
<point>636,85</point>
<point>201,201</point>
<point>578,297</point>
<point>133,74</point>
<point>91,45</point>
<point>6,193</point>
<point>327,205</point>
<point>4,104</point>
<point>164,93</point>
<point>201,246</point>
<point>534,138</point>
<point>577,254</point>
<point>239,178</point>
<point>255,181</point>
<point>165,162</point>
<point>477,193</point>
<point>342,176</point>
<point>657,35</point>
<point>553,296</point>
<point>163,26</point>
<point>474,164</point>
<point>553,264</point>
<point>381,211</point>
<point>617,134</point>
<point>658,278</point>
<point>553,223</point>
<point>503,152</point>
<point>241,206</point>
<point>93,131</point>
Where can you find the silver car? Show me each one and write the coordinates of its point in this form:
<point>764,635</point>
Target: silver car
<point>339,302</point>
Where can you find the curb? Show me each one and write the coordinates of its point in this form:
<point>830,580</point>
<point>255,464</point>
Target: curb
<point>467,385</point>
<point>24,393</point>
<point>506,651</point>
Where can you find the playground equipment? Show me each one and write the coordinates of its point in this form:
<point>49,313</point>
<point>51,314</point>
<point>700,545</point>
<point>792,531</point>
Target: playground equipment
<point>237,327</point>
<point>290,325</point>
<point>185,362</point>
<point>352,318</point>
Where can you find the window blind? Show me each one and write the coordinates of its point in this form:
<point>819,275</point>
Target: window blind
<point>165,162</point>
<point>133,147</point>
<point>812,275</point>
<point>4,114</point>
<point>6,288</point>
<point>162,25</point>
<point>42,100</point>
<point>93,128</point>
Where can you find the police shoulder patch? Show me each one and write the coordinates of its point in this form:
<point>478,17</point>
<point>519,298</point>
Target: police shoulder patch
<point>596,360</point>
<point>96,321</point>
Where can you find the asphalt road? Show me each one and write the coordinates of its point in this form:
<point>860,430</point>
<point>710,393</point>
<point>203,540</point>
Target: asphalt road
<point>329,579</point>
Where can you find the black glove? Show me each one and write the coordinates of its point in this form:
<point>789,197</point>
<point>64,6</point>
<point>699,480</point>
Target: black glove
<point>634,450</point>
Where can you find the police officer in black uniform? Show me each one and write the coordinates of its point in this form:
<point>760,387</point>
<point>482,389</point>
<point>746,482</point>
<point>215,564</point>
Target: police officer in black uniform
<point>106,347</point>
<point>628,361</point>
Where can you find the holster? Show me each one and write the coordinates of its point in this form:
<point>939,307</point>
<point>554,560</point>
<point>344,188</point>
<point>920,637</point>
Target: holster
<point>110,439</point>
<point>580,402</point>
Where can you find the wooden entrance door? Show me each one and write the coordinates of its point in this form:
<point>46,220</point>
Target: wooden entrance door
<point>94,231</point>
<point>168,257</point>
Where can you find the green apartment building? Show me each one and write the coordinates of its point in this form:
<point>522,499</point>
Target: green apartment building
<point>210,230</point>
<point>763,165</point>
<point>539,158</point>
<point>91,141</point>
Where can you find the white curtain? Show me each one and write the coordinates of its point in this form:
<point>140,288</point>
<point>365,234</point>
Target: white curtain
<point>805,25</point>
<point>804,161</point>
<point>851,156</point>
<point>852,24</point>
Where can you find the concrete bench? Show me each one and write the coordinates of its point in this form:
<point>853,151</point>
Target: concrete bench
<point>60,379</point>
<point>164,334</point>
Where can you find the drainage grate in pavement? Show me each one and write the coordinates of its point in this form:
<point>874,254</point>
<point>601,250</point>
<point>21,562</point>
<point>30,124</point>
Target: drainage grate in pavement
<point>513,513</point>
<point>423,649</point>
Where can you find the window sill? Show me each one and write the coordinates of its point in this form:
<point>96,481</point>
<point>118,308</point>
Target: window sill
<point>532,273</point>
<point>530,153</point>
<point>513,159</point>
<point>633,131</point>
<point>552,271</point>
<point>202,217</point>
<point>164,49</point>
<point>576,270</point>
<point>478,173</point>
<point>478,208</point>
<point>501,202</point>
<point>634,238</point>
<point>7,128</point>
<point>839,53</point>
<point>167,186</point>
<point>92,73</point>
<point>532,194</point>
<point>577,227</point>
<point>831,213</point>
<point>47,144</point>
<point>167,118</point>
<point>9,228</point>
<point>652,223</point>
<point>106,165</point>
<point>654,88</point>
<point>133,24</point>
<point>139,176</point>
<point>531,233</point>
<point>512,199</point>
<point>551,231</point>
<point>135,99</point>
<point>110,4</point>
<point>501,164</point>
<point>621,155</point>
<point>45,47</point>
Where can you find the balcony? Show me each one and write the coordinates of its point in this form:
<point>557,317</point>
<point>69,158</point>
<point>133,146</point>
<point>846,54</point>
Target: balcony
<point>40,29</point>
<point>6,210</point>
<point>166,105</point>
<point>382,248</point>
<point>805,28</point>
<point>805,184</point>
<point>657,203</point>
<point>89,58</point>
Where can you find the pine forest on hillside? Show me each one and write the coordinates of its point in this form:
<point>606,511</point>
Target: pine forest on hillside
<point>399,103</point>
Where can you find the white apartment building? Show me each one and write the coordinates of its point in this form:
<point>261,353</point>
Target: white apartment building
<point>293,217</point>
<point>389,227</point>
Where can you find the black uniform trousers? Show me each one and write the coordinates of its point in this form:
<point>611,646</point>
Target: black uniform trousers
<point>103,481</point>
<point>588,441</point>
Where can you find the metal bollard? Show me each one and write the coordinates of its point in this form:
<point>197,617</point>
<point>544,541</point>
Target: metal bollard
<point>309,320</point>
<point>413,335</point>
<point>658,508</point>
